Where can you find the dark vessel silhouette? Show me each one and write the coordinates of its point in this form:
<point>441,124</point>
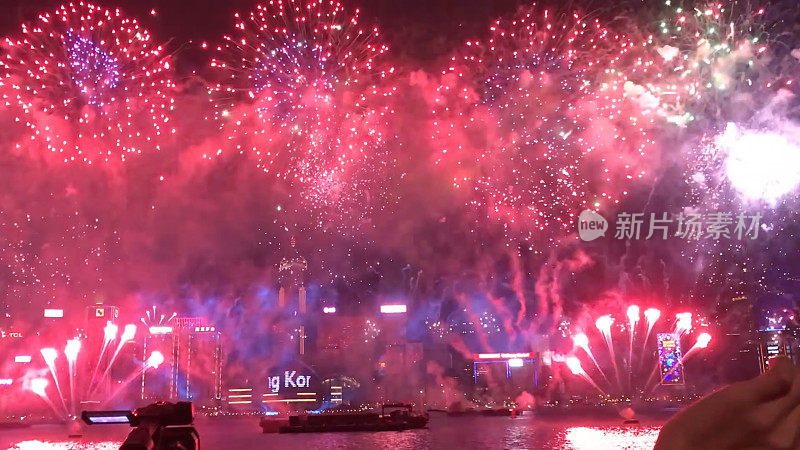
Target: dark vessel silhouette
<point>393,417</point>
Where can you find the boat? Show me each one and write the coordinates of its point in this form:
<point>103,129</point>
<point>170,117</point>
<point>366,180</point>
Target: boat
<point>503,412</point>
<point>393,417</point>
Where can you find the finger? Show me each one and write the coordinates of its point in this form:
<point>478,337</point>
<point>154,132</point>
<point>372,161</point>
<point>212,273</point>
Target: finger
<point>776,382</point>
<point>776,410</point>
<point>787,433</point>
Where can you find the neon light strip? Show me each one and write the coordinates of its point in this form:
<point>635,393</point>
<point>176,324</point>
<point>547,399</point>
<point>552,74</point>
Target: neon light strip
<point>306,393</point>
<point>239,396</point>
<point>270,395</point>
<point>239,390</point>
<point>291,400</point>
<point>54,313</point>
<point>160,330</point>
<point>503,356</point>
<point>393,309</point>
<point>239,403</point>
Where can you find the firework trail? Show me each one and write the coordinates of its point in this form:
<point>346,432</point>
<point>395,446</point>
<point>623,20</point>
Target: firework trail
<point>301,91</point>
<point>581,341</point>
<point>89,84</point>
<point>534,123</point>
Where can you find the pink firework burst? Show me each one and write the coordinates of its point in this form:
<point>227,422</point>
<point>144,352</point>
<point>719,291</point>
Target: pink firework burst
<point>300,89</point>
<point>534,123</point>
<point>89,84</point>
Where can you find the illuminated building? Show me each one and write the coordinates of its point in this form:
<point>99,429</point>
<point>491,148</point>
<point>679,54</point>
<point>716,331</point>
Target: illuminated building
<point>291,274</point>
<point>771,343</point>
<point>97,318</point>
<point>295,388</point>
<point>670,359</point>
<point>200,365</point>
<point>520,368</point>
<point>775,337</point>
<point>292,294</point>
<point>777,328</point>
<point>53,313</point>
<point>188,323</point>
<point>240,398</point>
<point>101,314</point>
<point>160,383</point>
<point>192,367</point>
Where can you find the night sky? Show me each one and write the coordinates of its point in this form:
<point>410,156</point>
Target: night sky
<point>425,30</point>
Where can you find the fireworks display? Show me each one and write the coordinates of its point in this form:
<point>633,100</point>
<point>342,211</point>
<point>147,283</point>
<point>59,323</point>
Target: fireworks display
<point>89,84</point>
<point>37,271</point>
<point>536,124</point>
<point>632,372</point>
<point>451,186</point>
<point>313,114</point>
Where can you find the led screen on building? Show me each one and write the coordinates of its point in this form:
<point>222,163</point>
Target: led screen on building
<point>669,358</point>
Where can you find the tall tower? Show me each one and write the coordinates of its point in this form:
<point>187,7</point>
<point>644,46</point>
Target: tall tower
<point>291,275</point>
<point>292,293</point>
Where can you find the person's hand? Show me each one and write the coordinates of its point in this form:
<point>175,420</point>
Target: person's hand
<point>761,413</point>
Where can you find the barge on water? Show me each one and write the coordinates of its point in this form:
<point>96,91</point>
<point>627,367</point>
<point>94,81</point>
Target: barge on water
<point>503,412</point>
<point>393,417</point>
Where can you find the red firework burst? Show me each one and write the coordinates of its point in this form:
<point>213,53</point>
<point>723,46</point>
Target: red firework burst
<point>300,91</point>
<point>89,84</point>
<point>534,123</point>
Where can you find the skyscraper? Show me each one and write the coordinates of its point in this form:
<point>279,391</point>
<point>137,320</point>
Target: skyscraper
<point>200,365</point>
<point>291,276</point>
<point>160,383</point>
<point>292,295</point>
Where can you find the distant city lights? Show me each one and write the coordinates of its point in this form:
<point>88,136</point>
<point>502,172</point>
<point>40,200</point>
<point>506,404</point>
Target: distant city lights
<point>393,309</point>
<point>502,356</point>
<point>54,313</point>
<point>515,362</point>
<point>329,309</point>
<point>160,329</point>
